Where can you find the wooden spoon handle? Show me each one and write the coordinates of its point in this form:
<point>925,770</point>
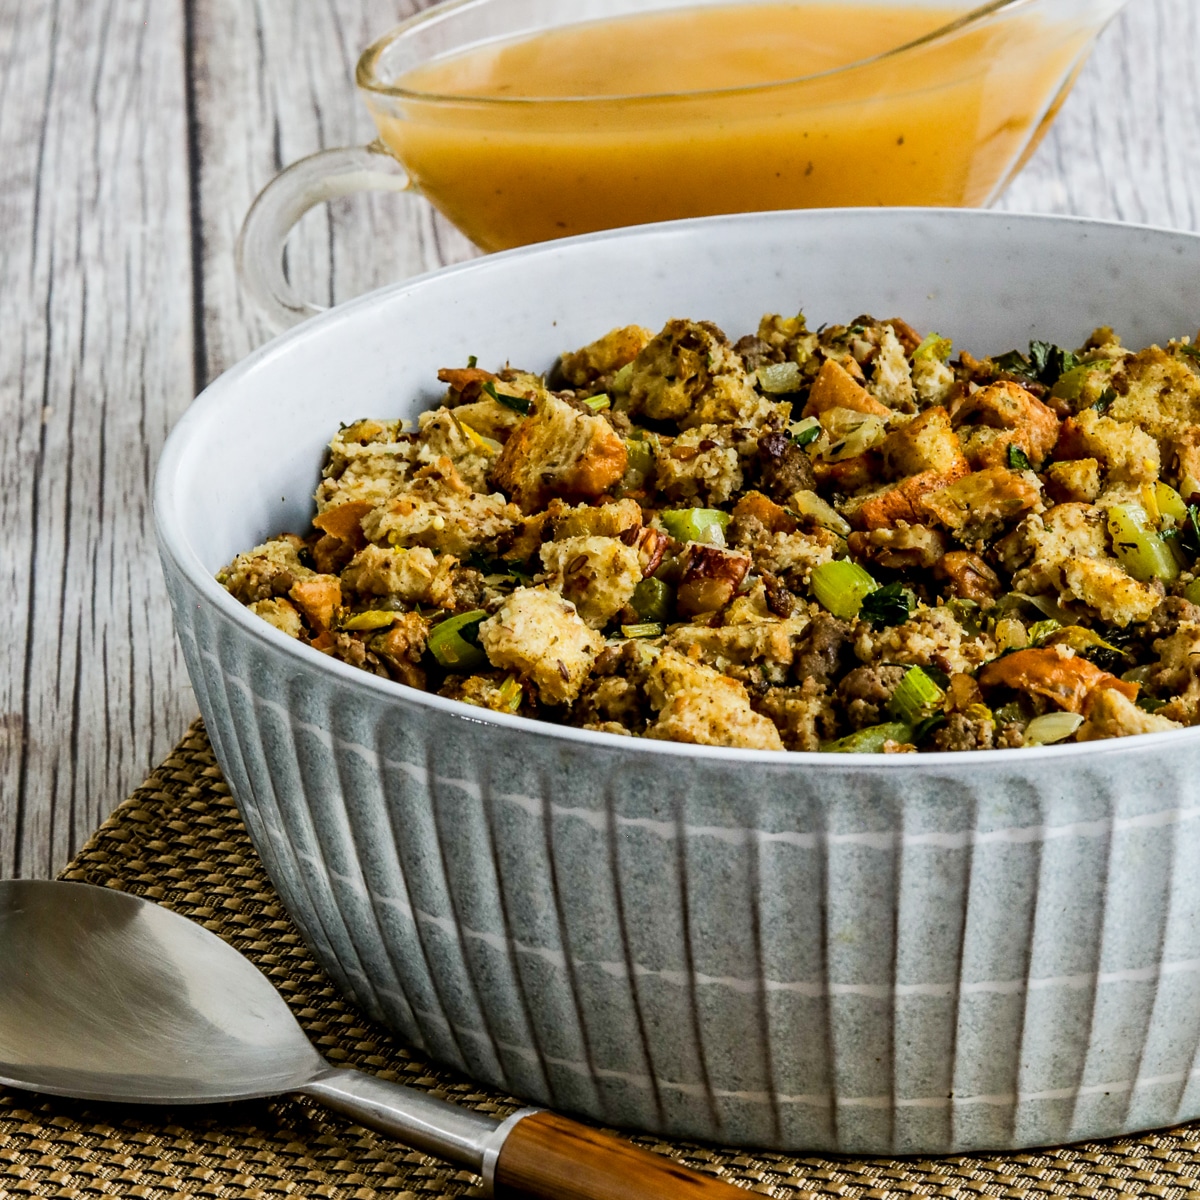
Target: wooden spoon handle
<point>550,1158</point>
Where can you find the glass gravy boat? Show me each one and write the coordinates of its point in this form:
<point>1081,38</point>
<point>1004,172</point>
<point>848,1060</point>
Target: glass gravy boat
<point>569,142</point>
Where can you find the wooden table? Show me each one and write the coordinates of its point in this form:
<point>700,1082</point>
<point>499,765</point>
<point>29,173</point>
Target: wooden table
<point>133,136</point>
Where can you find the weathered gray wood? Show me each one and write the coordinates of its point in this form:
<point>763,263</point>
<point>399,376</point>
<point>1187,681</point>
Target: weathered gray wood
<point>1126,145</point>
<point>95,364</point>
<point>96,300</point>
<point>274,82</point>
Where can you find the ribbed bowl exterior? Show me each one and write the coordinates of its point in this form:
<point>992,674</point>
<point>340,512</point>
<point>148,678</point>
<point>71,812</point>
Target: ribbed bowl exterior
<point>852,959</point>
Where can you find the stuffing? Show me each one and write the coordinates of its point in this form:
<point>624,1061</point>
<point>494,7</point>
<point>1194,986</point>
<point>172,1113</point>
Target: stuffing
<point>926,443</point>
<point>697,704</point>
<point>892,383</point>
<point>559,449</point>
<point>931,637</point>
<point>802,715</point>
<point>1126,452</point>
<point>846,539</point>
<point>266,572</point>
<point>977,505</point>
<point>1005,415</point>
<point>700,466</point>
<point>1102,584</point>
<point>538,634</point>
<point>1111,714</point>
<point>835,387</point>
<point>1157,392</point>
<point>443,435</point>
<point>415,576</point>
<point>584,367</point>
<point>1077,480</point>
<point>281,614</point>
<point>689,373</point>
<point>440,511</point>
<point>597,574</point>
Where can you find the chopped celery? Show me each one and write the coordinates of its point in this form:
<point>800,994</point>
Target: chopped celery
<point>841,586</point>
<point>372,619</point>
<point>696,524</point>
<point>1051,727</point>
<point>777,379</point>
<point>870,740</point>
<point>510,695</point>
<point>1070,384</point>
<point>916,697</point>
<point>647,629</point>
<point>934,346</point>
<point>1170,503</point>
<point>652,600</point>
<point>598,403</point>
<point>1140,550</point>
<point>1192,592</point>
<point>451,642</point>
<point>619,383</point>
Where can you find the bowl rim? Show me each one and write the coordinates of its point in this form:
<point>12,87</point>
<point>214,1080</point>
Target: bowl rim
<point>174,545</point>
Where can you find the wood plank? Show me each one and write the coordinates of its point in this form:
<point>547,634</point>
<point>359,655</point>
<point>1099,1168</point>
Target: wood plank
<point>95,364</point>
<point>274,83</point>
<point>1126,145</point>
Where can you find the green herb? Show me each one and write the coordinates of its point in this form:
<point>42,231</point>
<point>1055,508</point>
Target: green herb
<point>807,436</point>
<point>1189,349</point>
<point>1018,460</point>
<point>1190,539</point>
<point>1105,400</point>
<point>888,605</point>
<point>926,727</point>
<point>870,740</point>
<point>916,697</point>
<point>516,403</point>
<point>471,361</point>
<point>1150,704</point>
<point>1045,362</point>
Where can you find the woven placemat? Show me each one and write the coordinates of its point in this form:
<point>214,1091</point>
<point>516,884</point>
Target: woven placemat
<point>178,840</point>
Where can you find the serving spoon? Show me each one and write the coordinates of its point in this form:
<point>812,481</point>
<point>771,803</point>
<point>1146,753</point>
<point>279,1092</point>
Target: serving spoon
<point>107,996</point>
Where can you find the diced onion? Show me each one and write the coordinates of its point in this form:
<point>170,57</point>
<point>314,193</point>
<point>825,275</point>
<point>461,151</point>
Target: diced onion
<point>1052,727</point>
<point>809,504</point>
<point>779,378</point>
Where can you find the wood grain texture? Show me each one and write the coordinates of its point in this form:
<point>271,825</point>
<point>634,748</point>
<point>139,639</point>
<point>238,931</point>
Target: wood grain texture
<point>547,1157</point>
<point>95,364</point>
<point>101,173</point>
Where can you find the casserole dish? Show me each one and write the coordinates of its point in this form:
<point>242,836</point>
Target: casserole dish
<point>907,954</point>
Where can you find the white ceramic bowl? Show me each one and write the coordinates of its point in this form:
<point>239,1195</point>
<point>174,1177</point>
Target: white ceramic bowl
<point>855,953</point>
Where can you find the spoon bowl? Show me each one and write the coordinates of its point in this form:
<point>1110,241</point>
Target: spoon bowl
<point>106,996</point>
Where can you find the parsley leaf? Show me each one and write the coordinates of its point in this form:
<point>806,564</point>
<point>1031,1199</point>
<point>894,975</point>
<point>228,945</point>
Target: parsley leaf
<point>1105,400</point>
<point>888,605</point>
<point>805,436</point>
<point>516,403</point>
<point>1044,364</point>
<point>1191,529</point>
<point>1018,460</point>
